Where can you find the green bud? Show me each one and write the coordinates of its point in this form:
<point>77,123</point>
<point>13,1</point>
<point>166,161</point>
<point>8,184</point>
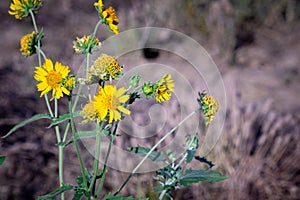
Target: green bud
<point>134,81</point>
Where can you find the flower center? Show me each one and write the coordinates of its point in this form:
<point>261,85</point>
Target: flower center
<point>111,102</point>
<point>53,79</point>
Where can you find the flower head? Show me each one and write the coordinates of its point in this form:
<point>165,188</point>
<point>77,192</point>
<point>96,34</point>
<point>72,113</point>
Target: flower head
<point>163,88</point>
<point>104,68</point>
<point>27,43</point>
<point>109,100</point>
<point>108,16</point>
<point>69,82</point>
<point>209,106</point>
<point>51,77</point>
<point>20,8</point>
<point>86,44</point>
<point>89,112</point>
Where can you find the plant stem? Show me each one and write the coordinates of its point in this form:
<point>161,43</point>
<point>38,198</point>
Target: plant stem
<point>60,150</point>
<point>75,141</point>
<point>97,157</point>
<point>36,30</point>
<point>106,160</point>
<point>151,150</point>
<point>96,28</point>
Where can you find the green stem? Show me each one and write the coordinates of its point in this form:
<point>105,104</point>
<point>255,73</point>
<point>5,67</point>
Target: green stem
<point>97,157</point>
<point>96,28</point>
<point>60,150</point>
<point>106,160</point>
<point>75,141</point>
<point>41,52</point>
<point>87,56</point>
<point>36,30</point>
<point>151,150</point>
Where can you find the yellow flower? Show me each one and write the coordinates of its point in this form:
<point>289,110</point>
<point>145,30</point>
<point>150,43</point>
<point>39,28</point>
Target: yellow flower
<point>108,16</point>
<point>20,8</point>
<point>51,77</point>
<point>164,87</point>
<point>89,112</point>
<point>86,44</point>
<point>27,43</point>
<point>209,107</point>
<point>104,68</point>
<point>109,101</point>
<point>69,82</point>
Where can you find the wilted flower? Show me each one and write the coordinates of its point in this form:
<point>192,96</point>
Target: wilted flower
<point>164,88</point>
<point>209,106</point>
<point>86,44</point>
<point>108,16</point>
<point>28,43</point>
<point>50,77</point>
<point>104,68</point>
<point>20,8</point>
<point>89,112</point>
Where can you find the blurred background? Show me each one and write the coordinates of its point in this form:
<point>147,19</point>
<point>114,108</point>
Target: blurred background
<point>256,46</point>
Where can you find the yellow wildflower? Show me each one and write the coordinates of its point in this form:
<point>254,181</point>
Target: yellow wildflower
<point>50,77</point>
<point>20,8</point>
<point>104,68</point>
<point>86,44</point>
<point>69,82</point>
<point>109,101</point>
<point>108,16</point>
<point>209,107</point>
<point>27,44</point>
<point>164,87</point>
<point>89,112</point>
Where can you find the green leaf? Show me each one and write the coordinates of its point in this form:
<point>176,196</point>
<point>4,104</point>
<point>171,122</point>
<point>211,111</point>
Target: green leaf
<point>2,158</point>
<point>190,155</point>
<point>65,117</point>
<point>142,151</point>
<point>56,192</point>
<point>195,176</point>
<point>205,161</point>
<point>111,197</point>
<point>27,121</point>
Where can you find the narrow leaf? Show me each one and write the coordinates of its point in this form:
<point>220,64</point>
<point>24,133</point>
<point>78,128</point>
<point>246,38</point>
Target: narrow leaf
<point>190,155</point>
<point>195,176</point>
<point>111,197</point>
<point>63,118</point>
<point>27,121</point>
<point>142,151</point>
<point>2,158</point>
<point>56,192</point>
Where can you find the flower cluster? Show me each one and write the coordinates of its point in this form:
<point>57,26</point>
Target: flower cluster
<point>209,106</point>
<point>55,78</point>
<point>104,68</point>
<point>21,8</point>
<point>162,90</point>
<point>28,43</point>
<point>108,102</point>
<point>86,44</point>
<point>108,16</point>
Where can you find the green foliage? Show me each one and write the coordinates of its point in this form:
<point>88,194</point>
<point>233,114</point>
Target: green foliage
<point>142,151</point>
<point>2,159</point>
<point>63,118</point>
<point>56,192</point>
<point>27,121</point>
<point>111,197</point>
<point>195,176</point>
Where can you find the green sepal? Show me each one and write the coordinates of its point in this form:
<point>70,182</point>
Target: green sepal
<point>195,176</point>
<point>142,151</point>
<point>56,192</point>
<point>2,159</point>
<point>27,121</point>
